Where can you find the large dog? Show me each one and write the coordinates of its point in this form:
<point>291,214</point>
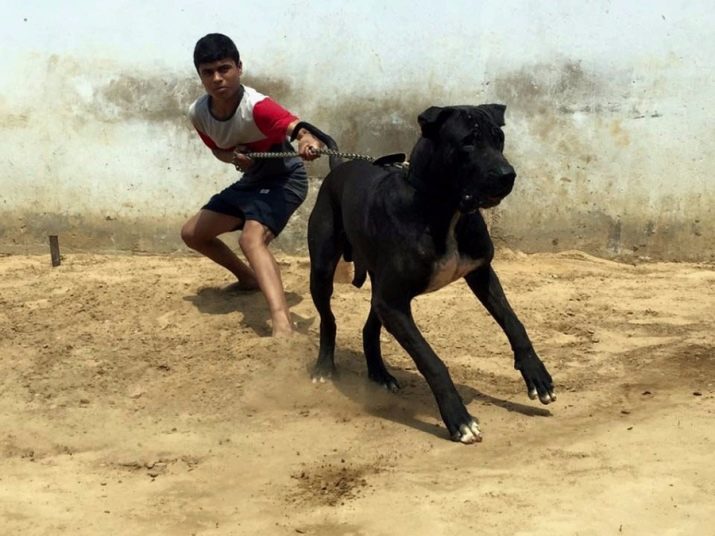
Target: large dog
<point>415,231</point>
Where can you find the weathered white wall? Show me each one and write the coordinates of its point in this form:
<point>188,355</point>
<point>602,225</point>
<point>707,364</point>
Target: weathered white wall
<point>608,121</point>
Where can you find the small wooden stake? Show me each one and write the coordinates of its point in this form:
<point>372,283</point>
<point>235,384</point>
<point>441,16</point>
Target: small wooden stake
<point>55,250</point>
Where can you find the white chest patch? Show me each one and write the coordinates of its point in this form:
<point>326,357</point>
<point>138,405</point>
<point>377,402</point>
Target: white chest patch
<point>451,266</point>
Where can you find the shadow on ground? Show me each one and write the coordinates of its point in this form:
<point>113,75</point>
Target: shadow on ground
<point>413,405</point>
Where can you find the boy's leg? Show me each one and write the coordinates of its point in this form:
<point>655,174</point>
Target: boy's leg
<point>200,233</point>
<point>254,242</point>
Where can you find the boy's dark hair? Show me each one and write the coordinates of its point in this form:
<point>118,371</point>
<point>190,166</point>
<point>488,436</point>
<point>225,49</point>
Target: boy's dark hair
<point>214,47</point>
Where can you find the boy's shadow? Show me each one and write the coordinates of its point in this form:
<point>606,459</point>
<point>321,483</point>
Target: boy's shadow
<point>251,304</point>
<point>414,401</point>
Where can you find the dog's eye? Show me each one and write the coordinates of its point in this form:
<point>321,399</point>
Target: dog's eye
<point>471,138</point>
<point>467,148</point>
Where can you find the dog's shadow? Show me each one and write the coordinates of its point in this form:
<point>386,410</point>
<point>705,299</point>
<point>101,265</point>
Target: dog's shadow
<point>251,304</point>
<point>414,405</point>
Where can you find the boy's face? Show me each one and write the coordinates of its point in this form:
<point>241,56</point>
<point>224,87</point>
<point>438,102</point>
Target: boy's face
<point>221,79</point>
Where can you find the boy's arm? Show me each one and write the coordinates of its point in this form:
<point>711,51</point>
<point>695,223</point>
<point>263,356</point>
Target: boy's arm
<point>239,160</point>
<point>276,122</point>
<point>224,156</point>
<point>307,143</point>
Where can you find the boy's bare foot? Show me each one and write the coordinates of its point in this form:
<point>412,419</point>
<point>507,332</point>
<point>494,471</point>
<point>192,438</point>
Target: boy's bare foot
<point>282,333</point>
<point>282,327</point>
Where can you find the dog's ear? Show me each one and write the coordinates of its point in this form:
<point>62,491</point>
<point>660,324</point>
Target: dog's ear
<point>496,112</point>
<point>431,119</point>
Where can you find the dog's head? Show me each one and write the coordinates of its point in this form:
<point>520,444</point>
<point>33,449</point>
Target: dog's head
<point>467,144</point>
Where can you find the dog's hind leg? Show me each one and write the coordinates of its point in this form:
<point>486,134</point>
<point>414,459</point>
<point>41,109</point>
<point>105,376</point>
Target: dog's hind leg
<point>325,246</point>
<point>376,369</point>
<point>322,271</point>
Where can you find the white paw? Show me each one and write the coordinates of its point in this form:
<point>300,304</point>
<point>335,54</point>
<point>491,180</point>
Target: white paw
<point>548,398</point>
<point>545,399</point>
<point>469,433</point>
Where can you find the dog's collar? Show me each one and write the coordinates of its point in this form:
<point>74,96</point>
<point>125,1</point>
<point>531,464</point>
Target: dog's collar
<point>395,159</point>
<point>422,186</point>
<point>417,182</point>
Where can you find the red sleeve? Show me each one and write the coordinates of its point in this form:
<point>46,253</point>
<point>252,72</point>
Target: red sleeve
<point>272,119</point>
<point>208,141</point>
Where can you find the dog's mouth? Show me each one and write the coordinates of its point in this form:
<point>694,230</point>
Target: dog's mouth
<point>489,201</point>
<point>469,203</point>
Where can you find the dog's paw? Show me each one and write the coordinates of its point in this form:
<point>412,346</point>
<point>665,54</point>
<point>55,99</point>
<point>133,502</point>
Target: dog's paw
<point>387,380</point>
<point>537,378</point>
<point>322,373</point>
<point>468,433</point>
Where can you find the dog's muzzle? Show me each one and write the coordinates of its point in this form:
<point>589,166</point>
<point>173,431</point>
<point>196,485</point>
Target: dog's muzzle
<point>490,201</point>
<point>501,181</point>
<point>468,203</point>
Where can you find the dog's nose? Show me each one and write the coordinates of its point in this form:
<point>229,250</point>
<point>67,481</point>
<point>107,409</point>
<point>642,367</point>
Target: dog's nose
<point>506,173</point>
<point>502,179</point>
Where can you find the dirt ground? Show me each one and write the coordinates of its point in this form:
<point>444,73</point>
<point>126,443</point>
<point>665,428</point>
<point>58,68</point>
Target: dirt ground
<point>139,397</point>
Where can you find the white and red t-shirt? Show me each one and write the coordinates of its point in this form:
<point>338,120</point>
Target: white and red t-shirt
<point>258,123</point>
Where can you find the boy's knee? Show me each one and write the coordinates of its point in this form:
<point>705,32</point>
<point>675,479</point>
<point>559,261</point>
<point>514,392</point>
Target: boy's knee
<point>189,236</point>
<point>249,241</point>
<point>186,234</point>
<point>254,235</point>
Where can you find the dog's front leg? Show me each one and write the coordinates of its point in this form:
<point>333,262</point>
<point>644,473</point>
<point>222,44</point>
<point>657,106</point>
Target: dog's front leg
<point>397,319</point>
<point>485,285</point>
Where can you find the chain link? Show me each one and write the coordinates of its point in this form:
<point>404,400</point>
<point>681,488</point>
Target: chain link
<point>328,152</point>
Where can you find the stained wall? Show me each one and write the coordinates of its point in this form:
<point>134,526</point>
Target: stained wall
<point>609,110</point>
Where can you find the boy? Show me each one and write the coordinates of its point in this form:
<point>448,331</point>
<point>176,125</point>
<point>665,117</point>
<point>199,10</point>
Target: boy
<point>233,119</point>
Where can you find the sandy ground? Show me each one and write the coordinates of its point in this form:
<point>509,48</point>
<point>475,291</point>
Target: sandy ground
<point>137,397</point>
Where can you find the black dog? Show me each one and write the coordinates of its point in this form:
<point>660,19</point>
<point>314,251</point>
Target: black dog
<point>416,231</point>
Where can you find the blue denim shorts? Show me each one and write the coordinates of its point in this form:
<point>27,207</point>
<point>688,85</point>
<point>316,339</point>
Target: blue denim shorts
<point>271,204</point>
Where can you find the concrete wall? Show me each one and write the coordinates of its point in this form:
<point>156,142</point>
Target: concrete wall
<point>609,109</point>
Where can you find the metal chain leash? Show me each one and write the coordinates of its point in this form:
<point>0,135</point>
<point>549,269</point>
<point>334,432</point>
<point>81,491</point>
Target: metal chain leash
<point>328,152</point>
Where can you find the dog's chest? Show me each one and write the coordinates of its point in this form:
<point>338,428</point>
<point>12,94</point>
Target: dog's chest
<point>452,265</point>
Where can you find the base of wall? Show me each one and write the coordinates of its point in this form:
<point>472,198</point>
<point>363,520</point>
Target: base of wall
<point>629,239</point>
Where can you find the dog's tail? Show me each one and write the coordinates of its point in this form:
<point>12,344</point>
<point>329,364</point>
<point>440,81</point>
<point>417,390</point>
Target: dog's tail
<point>360,272</point>
<point>329,142</point>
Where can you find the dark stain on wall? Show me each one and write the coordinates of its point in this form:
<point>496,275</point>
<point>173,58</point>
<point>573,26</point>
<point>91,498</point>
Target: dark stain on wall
<point>155,99</point>
<point>556,203</point>
<point>278,89</point>
<point>375,126</point>
<point>365,124</point>
<point>163,98</point>
<point>551,89</point>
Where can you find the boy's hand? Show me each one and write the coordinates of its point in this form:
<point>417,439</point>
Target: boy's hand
<point>308,146</point>
<point>241,161</point>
